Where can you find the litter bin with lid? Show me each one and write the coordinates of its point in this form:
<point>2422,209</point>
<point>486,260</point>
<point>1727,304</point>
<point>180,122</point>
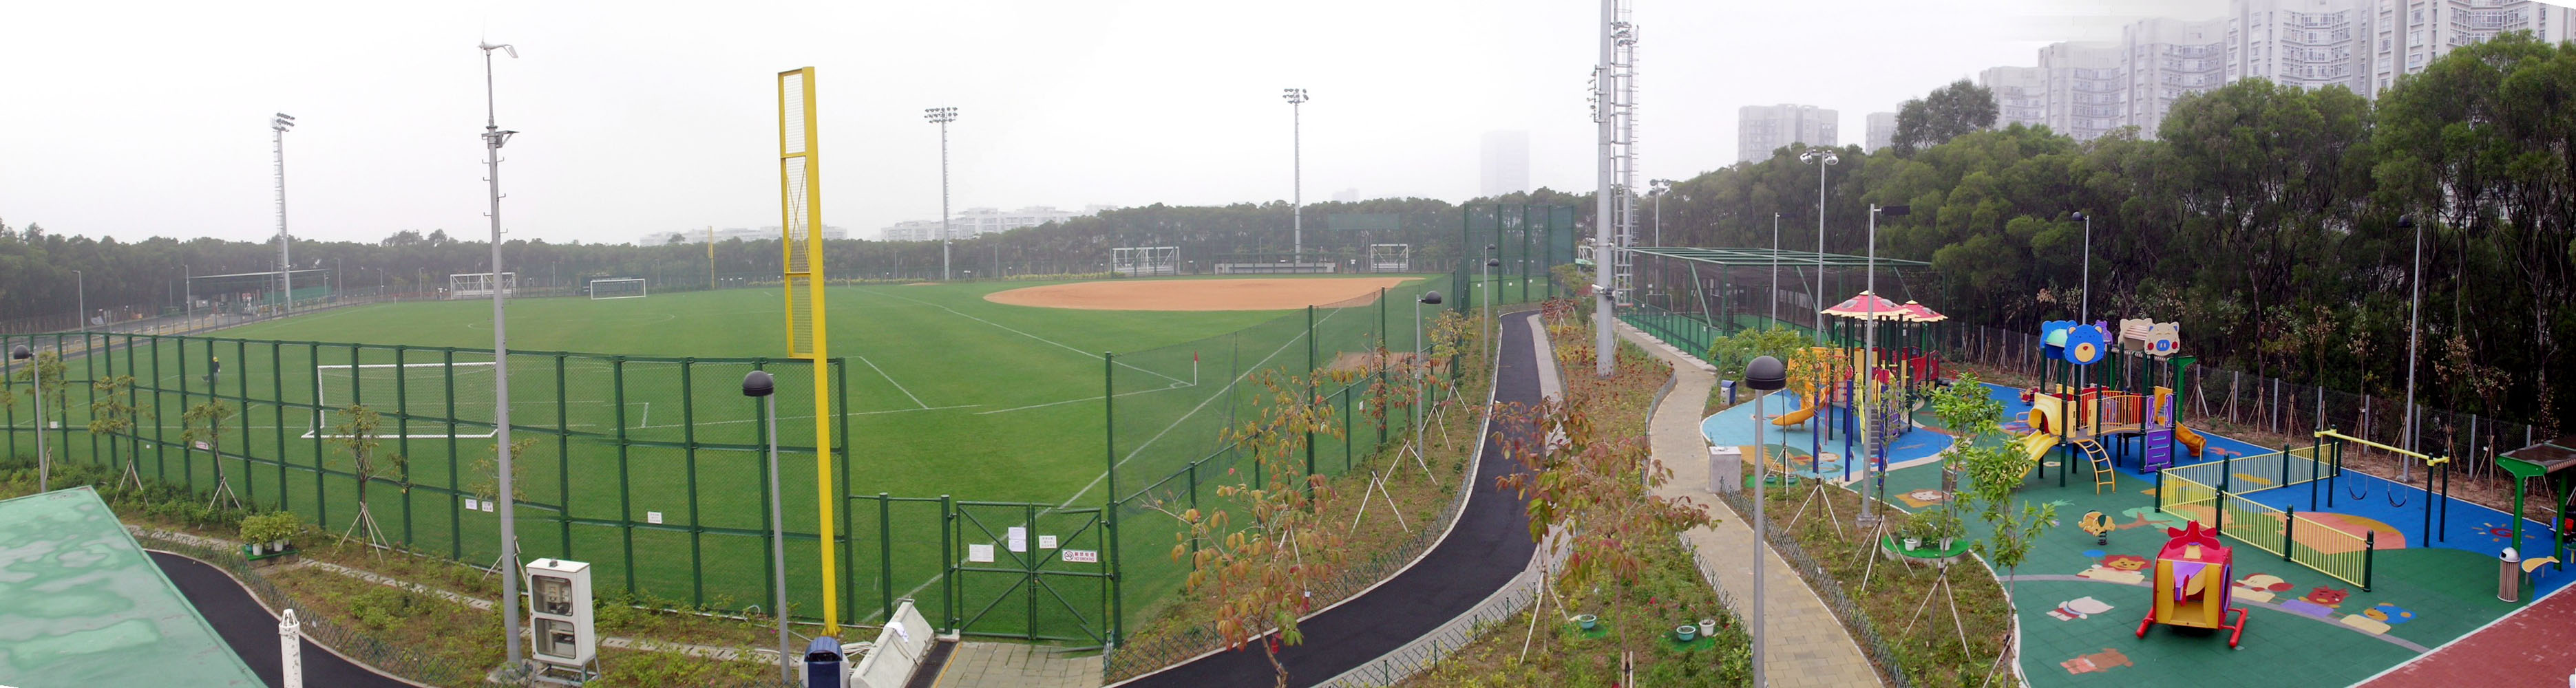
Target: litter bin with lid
<point>824,662</point>
<point>2509,580</point>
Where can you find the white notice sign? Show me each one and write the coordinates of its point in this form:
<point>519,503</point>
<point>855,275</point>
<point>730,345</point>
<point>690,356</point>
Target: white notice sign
<point>981,554</point>
<point>487,506</point>
<point>1082,556</point>
<point>471,505</point>
<point>1019,538</point>
<point>653,517</point>
<point>1046,542</point>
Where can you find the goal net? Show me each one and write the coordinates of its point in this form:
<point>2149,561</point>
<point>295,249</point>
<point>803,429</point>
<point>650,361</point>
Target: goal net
<point>617,288</point>
<point>1390,258</point>
<point>1144,260</point>
<point>429,393</point>
<point>480,285</point>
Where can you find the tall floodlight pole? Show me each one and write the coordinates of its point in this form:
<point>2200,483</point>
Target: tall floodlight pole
<point>493,137</point>
<point>2414,310</point>
<point>80,297</point>
<point>1604,247</point>
<point>1765,375</point>
<point>1419,371</point>
<point>1823,158</point>
<point>2084,307</point>
<point>1296,98</point>
<point>942,116</point>
<point>285,259</point>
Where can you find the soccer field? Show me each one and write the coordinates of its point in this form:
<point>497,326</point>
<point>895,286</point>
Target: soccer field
<point>647,461</point>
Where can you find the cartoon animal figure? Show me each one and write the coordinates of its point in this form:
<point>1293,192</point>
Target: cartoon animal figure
<point>2078,608</point>
<point>1922,498</point>
<point>2119,568</point>
<point>2261,587</point>
<point>2389,613</point>
<point>2319,603</point>
<point>2098,525</point>
<point>2105,660</point>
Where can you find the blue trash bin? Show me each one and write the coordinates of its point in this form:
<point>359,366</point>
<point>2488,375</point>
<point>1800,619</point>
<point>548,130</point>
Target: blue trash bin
<point>824,662</point>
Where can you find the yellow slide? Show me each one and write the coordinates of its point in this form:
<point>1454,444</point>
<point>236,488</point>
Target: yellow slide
<point>1800,415</point>
<point>2190,440</point>
<point>2037,445</point>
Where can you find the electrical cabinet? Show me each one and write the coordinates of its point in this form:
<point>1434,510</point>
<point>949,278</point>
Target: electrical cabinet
<point>559,613</point>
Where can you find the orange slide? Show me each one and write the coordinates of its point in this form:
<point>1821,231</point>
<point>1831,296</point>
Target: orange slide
<point>1800,415</point>
<point>2190,440</point>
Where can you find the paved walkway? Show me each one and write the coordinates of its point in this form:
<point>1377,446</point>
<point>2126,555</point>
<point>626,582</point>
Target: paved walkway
<point>1014,665</point>
<point>1806,646</point>
<point>2536,647</point>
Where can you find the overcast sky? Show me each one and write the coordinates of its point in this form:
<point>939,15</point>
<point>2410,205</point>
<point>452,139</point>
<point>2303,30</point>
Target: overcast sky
<point>139,119</point>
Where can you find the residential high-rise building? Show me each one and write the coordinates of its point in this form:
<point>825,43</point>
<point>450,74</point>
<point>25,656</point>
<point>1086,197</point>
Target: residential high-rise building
<point>1882,130</point>
<point>2406,35</point>
<point>1346,196</point>
<point>913,230</point>
<point>2086,87</point>
<point>2302,43</point>
<point>1505,166</point>
<point>2021,94</point>
<point>2167,58</point>
<point>1760,129</point>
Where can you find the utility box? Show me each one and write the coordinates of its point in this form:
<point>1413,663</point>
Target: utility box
<point>563,635</point>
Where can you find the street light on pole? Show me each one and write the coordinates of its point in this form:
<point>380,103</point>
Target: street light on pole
<point>1419,372</point>
<point>493,138</point>
<point>1823,158</point>
<point>1296,98</point>
<point>757,384</point>
<point>2414,310</point>
<point>2084,312</point>
<point>20,353</point>
<point>1659,187</point>
<point>1765,375</point>
<point>942,116</point>
<point>1775,269</point>
<point>285,258</point>
<point>80,298</point>
<point>1869,348</point>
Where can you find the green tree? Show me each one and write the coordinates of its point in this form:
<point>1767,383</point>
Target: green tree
<point>1943,114</point>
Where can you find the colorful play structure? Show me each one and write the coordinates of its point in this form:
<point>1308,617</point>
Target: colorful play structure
<point>1896,376</point>
<point>2099,420</point>
<point>2191,584</point>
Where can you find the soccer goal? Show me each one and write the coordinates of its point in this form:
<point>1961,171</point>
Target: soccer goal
<point>480,285</point>
<point>430,393</point>
<point>1136,261</point>
<point>1390,258</point>
<point>617,288</point>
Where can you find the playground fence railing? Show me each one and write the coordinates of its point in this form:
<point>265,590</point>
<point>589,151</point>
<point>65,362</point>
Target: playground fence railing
<point>2293,536</point>
<point>2252,523</point>
<point>2330,550</point>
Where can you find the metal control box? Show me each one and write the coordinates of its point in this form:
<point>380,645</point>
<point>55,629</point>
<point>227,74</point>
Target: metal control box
<point>559,613</point>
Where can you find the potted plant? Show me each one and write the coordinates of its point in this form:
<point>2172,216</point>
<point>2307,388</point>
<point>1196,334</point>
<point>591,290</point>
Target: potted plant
<point>1948,527</point>
<point>269,533</point>
<point>1708,627</point>
<point>1912,534</point>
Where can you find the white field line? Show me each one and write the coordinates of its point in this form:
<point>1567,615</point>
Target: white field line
<point>1077,400</point>
<point>898,386</point>
<point>1175,381</point>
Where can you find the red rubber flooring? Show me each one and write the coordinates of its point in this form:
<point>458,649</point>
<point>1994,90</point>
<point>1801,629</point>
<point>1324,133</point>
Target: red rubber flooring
<point>2535,647</point>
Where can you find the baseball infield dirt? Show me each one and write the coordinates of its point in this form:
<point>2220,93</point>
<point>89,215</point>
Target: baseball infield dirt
<point>1200,294</point>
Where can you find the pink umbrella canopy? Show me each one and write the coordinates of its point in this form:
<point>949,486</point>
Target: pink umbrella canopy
<point>1916,312</point>
<point>1867,306</point>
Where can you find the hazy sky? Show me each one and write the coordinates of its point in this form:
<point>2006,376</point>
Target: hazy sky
<point>138,119</point>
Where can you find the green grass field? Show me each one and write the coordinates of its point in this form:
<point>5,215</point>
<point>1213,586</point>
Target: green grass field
<point>647,453</point>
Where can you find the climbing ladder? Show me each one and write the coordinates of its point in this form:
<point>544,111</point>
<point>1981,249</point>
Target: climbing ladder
<point>2103,476</point>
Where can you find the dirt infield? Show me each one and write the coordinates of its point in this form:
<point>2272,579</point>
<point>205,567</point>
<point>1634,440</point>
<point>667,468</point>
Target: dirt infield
<point>1200,294</point>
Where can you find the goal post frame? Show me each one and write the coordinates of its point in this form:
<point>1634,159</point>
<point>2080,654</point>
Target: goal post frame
<point>642,288</point>
<point>1141,261</point>
<point>322,405</point>
<point>465,285</point>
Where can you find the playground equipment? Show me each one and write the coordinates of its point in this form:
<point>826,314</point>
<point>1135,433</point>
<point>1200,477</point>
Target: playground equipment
<point>2191,584</point>
<point>2095,419</point>
<point>2548,462</point>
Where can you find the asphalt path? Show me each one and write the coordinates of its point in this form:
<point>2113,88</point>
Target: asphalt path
<point>252,631</point>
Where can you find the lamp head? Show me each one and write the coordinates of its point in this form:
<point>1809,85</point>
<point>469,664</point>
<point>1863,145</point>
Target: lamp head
<point>1895,210</point>
<point>1293,95</point>
<point>505,47</point>
<point>1814,154</point>
<point>757,384</point>
<point>1493,262</point>
<point>1429,298</point>
<point>2405,222</point>
<point>2078,216</point>
<point>1766,373</point>
<point>20,353</point>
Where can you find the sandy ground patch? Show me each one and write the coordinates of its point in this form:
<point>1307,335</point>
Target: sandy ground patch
<point>1200,294</point>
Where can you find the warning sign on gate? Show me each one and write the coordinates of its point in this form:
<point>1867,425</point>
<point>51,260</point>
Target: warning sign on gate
<point>1082,556</point>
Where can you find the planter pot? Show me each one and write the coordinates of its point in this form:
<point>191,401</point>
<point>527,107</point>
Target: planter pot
<point>1686,632</point>
<point>255,548</point>
<point>280,545</point>
<point>1945,544</point>
<point>1913,543</point>
<point>1587,621</point>
<point>1708,627</point>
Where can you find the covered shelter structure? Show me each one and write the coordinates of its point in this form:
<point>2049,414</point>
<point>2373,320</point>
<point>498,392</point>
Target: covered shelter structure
<point>1690,297</point>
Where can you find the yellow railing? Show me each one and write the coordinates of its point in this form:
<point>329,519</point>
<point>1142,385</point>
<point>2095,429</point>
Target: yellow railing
<point>2305,541</point>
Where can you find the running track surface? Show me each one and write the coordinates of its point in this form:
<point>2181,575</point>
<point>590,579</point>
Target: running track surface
<point>1490,544</point>
<point>2534,647</point>
<point>252,632</point>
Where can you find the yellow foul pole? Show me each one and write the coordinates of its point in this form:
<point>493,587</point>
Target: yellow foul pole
<point>801,219</point>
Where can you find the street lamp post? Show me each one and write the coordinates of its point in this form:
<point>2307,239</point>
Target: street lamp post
<point>1660,187</point>
<point>1765,375</point>
<point>285,257</point>
<point>942,116</point>
<point>1869,349</point>
<point>2414,309</point>
<point>1296,98</point>
<point>757,384</point>
<point>1775,269</point>
<point>1823,158</point>
<point>493,138</point>
<point>80,298</point>
<point>1419,371</point>
<point>2084,307</point>
<point>20,353</point>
